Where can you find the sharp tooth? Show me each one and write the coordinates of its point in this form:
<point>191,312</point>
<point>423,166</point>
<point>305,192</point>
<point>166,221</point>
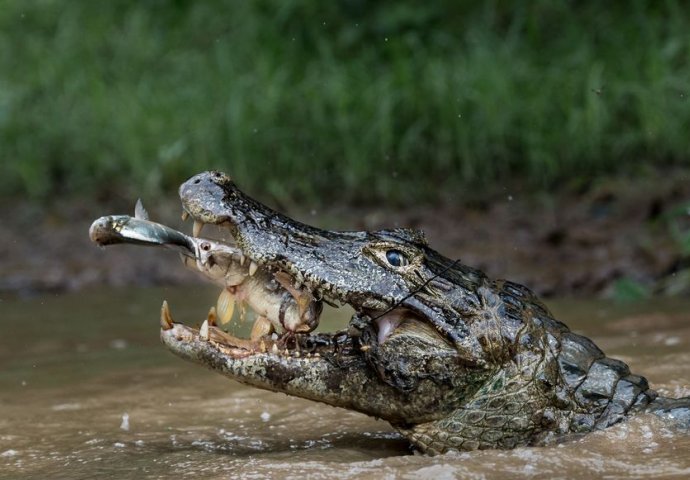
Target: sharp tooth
<point>212,317</point>
<point>298,284</point>
<point>185,215</point>
<point>297,354</point>
<point>166,317</point>
<point>225,306</point>
<point>286,352</point>
<point>262,326</point>
<point>317,355</point>
<point>274,349</point>
<point>262,346</point>
<point>253,267</point>
<point>203,331</point>
<point>242,259</point>
<point>196,229</point>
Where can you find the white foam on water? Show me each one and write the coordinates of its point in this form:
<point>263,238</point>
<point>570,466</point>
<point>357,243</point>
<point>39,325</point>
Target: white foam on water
<point>66,407</point>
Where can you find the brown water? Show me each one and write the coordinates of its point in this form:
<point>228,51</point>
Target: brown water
<point>87,391</point>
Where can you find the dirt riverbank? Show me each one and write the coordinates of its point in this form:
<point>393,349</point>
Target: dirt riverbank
<point>577,243</point>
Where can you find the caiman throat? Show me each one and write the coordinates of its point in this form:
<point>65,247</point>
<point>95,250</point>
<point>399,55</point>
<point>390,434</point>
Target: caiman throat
<point>452,359</point>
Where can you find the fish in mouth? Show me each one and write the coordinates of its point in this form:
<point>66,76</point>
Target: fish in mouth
<point>452,359</point>
<point>278,304</point>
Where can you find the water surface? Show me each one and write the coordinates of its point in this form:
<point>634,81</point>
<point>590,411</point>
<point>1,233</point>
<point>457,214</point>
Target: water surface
<point>88,391</point>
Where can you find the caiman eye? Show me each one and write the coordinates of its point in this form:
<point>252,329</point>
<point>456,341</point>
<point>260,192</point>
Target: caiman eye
<point>396,258</point>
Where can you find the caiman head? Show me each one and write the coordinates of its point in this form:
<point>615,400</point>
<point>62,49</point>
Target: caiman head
<point>450,358</point>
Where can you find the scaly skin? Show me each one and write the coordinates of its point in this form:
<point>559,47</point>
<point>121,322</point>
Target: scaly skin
<point>470,363</point>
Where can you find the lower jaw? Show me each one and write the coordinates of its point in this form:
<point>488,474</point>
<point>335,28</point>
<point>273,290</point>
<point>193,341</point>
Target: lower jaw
<point>288,345</point>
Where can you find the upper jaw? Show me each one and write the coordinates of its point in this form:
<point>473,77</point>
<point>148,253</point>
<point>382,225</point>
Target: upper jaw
<point>269,239</point>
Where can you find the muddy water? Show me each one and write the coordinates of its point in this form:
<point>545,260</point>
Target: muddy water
<point>87,391</point>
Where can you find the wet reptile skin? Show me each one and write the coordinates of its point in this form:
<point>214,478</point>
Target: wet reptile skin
<point>478,363</point>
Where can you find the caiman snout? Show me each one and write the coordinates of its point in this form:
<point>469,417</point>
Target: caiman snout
<point>202,196</point>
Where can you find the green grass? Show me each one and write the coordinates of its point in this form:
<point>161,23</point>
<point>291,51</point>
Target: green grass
<point>347,100</point>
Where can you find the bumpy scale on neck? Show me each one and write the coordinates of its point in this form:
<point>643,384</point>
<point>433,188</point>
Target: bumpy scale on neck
<point>557,383</point>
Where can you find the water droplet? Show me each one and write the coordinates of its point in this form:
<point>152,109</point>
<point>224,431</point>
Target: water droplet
<point>118,344</point>
<point>125,422</point>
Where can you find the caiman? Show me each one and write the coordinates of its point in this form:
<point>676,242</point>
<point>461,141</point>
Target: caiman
<point>452,359</point>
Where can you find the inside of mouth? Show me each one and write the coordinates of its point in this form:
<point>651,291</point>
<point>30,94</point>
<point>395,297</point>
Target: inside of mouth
<point>262,309</point>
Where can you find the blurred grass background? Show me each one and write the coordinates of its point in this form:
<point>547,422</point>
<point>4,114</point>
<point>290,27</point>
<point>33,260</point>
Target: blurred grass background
<point>349,100</point>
